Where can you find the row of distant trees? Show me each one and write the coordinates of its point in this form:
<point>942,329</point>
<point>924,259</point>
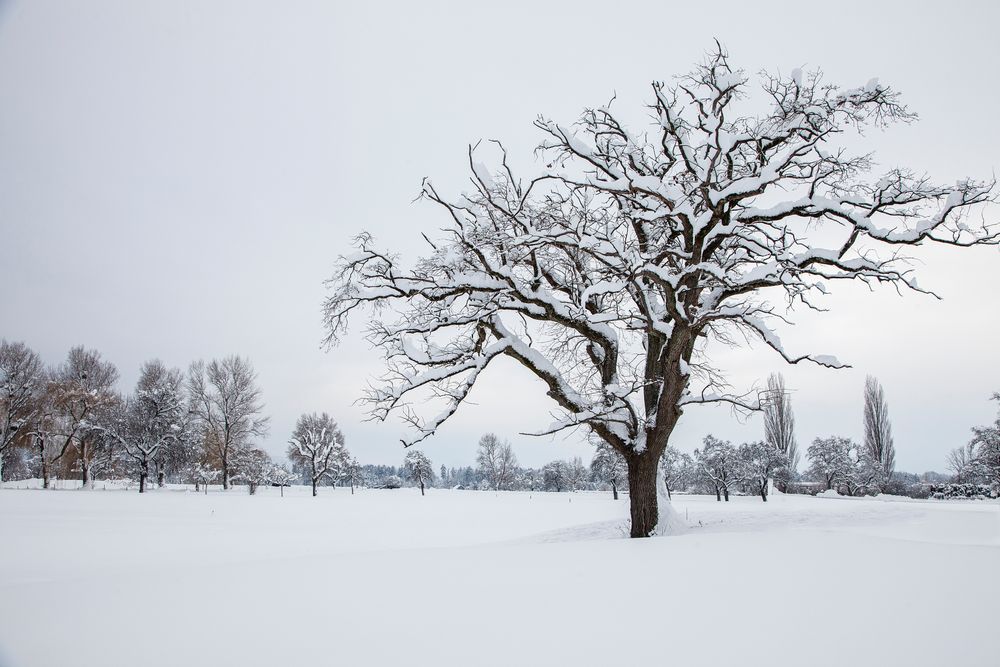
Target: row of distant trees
<point>197,427</point>
<point>720,468</point>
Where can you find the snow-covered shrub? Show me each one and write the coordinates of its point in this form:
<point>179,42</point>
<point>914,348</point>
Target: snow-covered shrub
<point>956,491</point>
<point>392,482</point>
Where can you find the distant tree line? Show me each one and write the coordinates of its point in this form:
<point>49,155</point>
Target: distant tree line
<point>197,427</point>
<point>200,427</point>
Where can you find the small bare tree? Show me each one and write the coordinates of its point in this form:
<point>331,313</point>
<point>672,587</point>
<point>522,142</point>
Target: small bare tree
<point>497,462</point>
<point>418,469</point>
<point>226,401</point>
<point>253,466</point>
<point>317,446</point>
<point>718,465</point>
<point>22,376</point>
<point>608,276</point>
<point>878,429</point>
<point>609,466</point>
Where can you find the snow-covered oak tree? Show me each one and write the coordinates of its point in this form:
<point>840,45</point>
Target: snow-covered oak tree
<point>607,275</point>
<point>317,447</point>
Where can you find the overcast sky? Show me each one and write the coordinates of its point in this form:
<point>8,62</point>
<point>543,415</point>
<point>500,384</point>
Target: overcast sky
<point>177,179</point>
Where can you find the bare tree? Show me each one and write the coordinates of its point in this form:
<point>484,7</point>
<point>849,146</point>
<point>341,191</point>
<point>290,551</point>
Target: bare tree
<point>718,465</point>
<point>986,441</point>
<point>555,475</point>
<point>152,420</point>
<point>756,464</point>
<point>609,466</point>
<point>82,393</point>
<point>22,376</point>
<point>253,466</point>
<point>609,276</point>
<point>678,469</point>
<point>878,429</point>
<point>281,476</point>
<point>317,445</point>
<point>497,462</point>
<point>963,462</point>
<point>418,469</point>
<point>226,401</point>
<point>779,424</point>
<point>354,474</point>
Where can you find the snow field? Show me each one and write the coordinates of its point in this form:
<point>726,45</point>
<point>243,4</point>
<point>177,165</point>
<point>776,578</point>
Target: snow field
<point>478,578</point>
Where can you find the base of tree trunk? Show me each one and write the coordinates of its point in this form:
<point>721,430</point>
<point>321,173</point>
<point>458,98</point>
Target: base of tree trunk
<point>643,505</point>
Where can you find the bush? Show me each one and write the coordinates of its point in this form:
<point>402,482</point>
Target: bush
<point>957,491</point>
<point>392,482</point>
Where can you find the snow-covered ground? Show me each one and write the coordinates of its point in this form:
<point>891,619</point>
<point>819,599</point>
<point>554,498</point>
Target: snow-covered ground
<point>472,578</point>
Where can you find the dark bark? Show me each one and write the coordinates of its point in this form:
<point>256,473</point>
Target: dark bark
<point>161,478</point>
<point>314,487</point>
<point>142,482</point>
<point>725,493</point>
<point>763,492</point>
<point>421,487</point>
<point>642,493</point>
<point>84,463</point>
<point>45,465</point>
<point>225,474</point>
<point>614,490</point>
<point>718,494</point>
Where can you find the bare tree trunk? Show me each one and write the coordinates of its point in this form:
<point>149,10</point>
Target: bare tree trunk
<point>614,490</point>
<point>142,482</point>
<point>421,487</point>
<point>718,494</point>
<point>45,466</point>
<point>642,493</point>
<point>225,474</point>
<point>763,491</point>
<point>725,493</point>
<point>314,487</point>
<point>85,473</point>
<point>161,477</point>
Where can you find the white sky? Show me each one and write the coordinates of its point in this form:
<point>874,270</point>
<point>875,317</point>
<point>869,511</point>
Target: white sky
<point>178,178</point>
